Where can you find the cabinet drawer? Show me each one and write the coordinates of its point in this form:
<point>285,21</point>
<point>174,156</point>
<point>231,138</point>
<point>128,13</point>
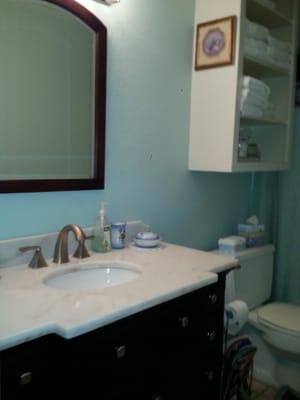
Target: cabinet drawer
<point>188,330</point>
<point>195,319</point>
<point>211,298</point>
<point>114,358</point>
<point>200,381</point>
<point>33,369</point>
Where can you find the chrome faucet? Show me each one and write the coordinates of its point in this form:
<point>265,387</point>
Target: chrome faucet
<point>61,252</point>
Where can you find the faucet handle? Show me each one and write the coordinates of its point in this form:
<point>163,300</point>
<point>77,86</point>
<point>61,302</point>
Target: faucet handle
<point>81,251</point>
<point>38,260</point>
<point>90,237</point>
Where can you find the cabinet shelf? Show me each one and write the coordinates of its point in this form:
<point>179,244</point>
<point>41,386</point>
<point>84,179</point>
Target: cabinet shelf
<point>247,165</point>
<point>253,66</point>
<point>217,123</point>
<point>250,121</point>
<point>260,12</point>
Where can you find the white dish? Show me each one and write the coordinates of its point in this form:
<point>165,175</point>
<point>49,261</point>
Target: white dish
<point>147,243</point>
<point>147,236</point>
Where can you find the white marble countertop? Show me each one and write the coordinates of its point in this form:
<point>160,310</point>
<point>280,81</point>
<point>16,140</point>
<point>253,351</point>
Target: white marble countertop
<point>29,309</point>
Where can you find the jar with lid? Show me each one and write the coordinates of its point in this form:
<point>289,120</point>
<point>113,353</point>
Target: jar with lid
<point>117,235</point>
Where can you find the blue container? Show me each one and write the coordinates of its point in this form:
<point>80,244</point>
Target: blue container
<point>117,235</point>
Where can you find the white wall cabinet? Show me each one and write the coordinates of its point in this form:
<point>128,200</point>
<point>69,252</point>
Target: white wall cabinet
<point>216,121</point>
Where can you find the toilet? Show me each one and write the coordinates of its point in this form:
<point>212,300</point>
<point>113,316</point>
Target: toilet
<point>278,324</point>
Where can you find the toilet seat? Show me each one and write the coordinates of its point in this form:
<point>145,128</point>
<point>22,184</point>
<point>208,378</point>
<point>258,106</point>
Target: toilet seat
<point>280,324</point>
<point>281,316</point>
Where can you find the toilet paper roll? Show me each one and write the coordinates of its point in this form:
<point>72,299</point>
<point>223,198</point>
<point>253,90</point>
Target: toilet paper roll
<point>237,313</point>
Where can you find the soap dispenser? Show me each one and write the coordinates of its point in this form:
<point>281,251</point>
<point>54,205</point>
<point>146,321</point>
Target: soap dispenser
<point>101,240</point>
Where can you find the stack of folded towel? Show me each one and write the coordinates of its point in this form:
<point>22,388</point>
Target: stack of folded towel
<point>280,52</point>
<point>254,98</point>
<point>261,44</point>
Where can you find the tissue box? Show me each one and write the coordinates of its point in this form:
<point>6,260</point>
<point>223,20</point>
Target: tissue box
<point>249,228</point>
<point>255,239</point>
<point>232,244</point>
<point>254,234</point>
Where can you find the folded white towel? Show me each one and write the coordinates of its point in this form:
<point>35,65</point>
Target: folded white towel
<point>256,31</point>
<point>260,95</point>
<point>250,97</point>
<point>279,55</point>
<point>252,111</point>
<point>256,48</point>
<point>258,86</point>
<point>255,45</point>
<point>279,44</point>
<point>265,53</point>
<point>246,103</point>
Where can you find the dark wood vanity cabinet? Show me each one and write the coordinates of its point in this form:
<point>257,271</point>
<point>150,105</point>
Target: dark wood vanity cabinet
<point>168,352</point>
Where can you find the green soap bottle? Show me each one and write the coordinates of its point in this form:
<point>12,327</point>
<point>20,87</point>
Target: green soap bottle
<point>101,240</point>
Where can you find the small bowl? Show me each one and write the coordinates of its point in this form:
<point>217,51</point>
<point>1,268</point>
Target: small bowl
<point>147,243</point>
<point>147,236</point>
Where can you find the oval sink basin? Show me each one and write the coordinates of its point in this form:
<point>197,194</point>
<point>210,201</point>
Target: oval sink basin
<point>92,276</point>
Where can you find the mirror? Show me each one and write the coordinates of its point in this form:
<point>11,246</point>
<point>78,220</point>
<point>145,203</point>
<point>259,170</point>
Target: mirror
<point>52,96</point>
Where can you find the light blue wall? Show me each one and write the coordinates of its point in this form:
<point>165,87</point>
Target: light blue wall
<point>287,278</point>
<point>149,74</point>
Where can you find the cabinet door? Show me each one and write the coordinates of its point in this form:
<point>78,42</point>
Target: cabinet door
<point>111,361</point>
<point>32,371</point>
<point>187,339</point>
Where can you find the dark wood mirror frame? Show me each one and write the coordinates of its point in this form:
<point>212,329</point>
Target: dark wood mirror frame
<point>97,182</point>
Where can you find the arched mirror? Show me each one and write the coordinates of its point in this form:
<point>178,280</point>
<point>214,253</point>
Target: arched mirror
<point>52,96</point>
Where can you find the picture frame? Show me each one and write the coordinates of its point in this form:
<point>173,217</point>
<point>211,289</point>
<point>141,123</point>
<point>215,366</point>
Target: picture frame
<point>216,43</point>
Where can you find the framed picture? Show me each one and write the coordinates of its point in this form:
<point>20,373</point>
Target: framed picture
<point>215,43</point>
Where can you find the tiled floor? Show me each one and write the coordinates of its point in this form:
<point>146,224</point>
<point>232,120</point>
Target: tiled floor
<point>260,391</point>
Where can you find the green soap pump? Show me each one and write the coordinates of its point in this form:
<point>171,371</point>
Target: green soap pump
<point>101,240</point>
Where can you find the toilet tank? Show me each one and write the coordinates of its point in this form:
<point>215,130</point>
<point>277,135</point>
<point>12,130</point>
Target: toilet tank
<point>253,282</point>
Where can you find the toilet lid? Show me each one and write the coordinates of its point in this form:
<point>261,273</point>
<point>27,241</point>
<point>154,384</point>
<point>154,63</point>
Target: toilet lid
<point>281,315</point>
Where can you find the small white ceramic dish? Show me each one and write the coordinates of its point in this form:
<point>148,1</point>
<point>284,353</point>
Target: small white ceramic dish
<point>147,236</point>
<point>147,239</point>
<point>147,243</point>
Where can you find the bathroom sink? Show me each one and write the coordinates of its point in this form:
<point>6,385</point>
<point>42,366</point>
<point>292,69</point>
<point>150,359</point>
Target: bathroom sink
<point>93,276</point>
